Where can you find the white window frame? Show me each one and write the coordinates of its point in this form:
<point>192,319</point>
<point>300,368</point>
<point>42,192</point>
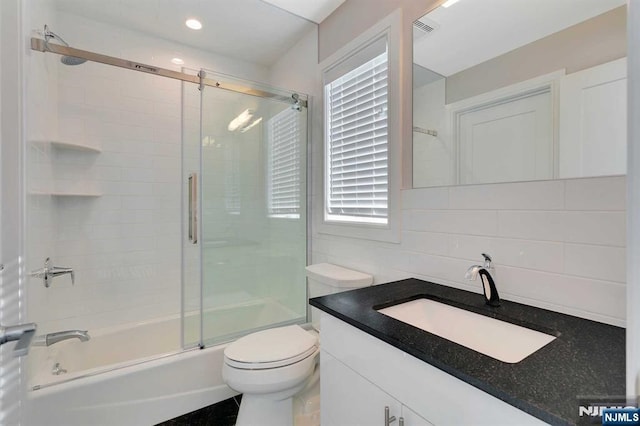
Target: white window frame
<point>337,80</point>
<point>391,28</point>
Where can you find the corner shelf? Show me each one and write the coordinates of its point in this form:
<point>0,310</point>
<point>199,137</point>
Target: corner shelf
<point>75,146</point>
<point>73,190</point>
<point>67,194</point>
<point>71,146</point>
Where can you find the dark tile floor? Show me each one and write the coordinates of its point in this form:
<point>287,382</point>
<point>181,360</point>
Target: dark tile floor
<point>223,413</point>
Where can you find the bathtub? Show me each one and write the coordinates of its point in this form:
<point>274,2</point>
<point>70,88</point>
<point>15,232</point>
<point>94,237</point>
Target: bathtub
<point>119,378</point>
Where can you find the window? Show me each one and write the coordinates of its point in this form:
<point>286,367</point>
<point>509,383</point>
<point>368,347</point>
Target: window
<point>284,164</point>
<point>356,172</point>
<point>361,194</point>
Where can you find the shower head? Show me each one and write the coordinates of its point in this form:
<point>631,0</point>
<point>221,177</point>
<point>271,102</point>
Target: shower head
<point>72,60</point>
<point>67,60</point>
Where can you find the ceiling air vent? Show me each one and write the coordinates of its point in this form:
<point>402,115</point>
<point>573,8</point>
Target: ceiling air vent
<point>423,27</point>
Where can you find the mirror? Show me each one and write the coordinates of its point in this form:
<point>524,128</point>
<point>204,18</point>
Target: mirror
<point>519,90</point>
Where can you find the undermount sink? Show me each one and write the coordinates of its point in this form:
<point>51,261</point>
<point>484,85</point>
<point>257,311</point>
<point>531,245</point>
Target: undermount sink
<point>492,337</point>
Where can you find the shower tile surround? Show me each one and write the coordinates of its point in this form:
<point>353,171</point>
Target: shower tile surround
<point>125,244</point>
<point>558,245</point>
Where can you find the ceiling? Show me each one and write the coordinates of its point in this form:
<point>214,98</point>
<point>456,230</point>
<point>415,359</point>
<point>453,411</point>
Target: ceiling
<point>315,11</point>
<point>470,32</point>
<point>249,30</point>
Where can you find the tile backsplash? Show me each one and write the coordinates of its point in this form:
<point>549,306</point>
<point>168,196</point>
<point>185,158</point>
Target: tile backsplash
<point>558,244</point>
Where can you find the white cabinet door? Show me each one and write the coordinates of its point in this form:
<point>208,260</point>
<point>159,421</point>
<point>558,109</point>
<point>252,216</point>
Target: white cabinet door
<point>593,121</point>
<point>411,418</point>
<point>357,369</point>
<point>507,141</point>
<point>348,399</point>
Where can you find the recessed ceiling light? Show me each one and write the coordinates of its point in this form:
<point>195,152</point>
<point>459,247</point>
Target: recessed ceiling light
<point>177,61</point>
<point>194,24</point>
<point>449,3</point>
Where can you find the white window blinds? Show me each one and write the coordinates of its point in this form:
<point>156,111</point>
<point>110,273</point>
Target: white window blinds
<point>284,164</point>
<point>232,193</point>
<point>357,154</point>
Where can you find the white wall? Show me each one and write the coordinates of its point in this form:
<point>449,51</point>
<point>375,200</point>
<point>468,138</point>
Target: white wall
<point>296,70</point>
<point>432,155</point>
<point>354,16</point>
<point>557,244</point>
<point>125,244</point>
<point>633,213</point>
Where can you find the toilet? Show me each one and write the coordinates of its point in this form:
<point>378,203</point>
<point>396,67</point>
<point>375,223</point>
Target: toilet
<point>272,366</point>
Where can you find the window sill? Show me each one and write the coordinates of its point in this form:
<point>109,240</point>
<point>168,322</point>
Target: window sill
<point>353,220</point>
<point>364,231</point>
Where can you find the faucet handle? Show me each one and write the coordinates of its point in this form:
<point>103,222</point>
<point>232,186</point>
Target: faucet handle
<point>58,270</point>
<point>48,272</point>
<point>487,261</point>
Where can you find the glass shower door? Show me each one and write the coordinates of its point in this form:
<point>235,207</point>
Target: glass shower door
<point>253,236</point>
<point>191,250</point>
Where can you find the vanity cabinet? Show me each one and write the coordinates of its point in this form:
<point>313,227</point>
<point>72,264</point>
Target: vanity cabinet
<point>360,375</point>
<point>350,399</point>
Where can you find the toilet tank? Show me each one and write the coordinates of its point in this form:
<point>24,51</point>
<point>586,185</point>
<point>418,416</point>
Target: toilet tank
<point>326,278</point>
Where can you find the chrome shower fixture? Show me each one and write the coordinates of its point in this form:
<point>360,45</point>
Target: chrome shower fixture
<point>67,60</point>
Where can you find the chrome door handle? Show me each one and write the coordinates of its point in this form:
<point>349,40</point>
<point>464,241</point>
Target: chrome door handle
<point>23,333</point>
<point>193,208</point>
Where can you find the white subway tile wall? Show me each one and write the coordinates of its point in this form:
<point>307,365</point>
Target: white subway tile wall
<point>558,244</point>
<point>125,245</point>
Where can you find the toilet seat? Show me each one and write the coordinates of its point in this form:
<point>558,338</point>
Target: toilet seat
<point>273,348</point>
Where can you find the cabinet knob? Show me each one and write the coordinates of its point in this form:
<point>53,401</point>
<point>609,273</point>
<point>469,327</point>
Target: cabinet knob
<point>388,419</point>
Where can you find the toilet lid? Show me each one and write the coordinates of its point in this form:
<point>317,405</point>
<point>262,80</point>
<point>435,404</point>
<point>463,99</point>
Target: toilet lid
<point>271,348</point>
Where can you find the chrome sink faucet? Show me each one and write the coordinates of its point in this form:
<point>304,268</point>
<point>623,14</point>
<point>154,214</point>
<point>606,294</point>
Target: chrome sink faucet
<point>48,272</point>
<point>59,336</point>
<point>488,285</point>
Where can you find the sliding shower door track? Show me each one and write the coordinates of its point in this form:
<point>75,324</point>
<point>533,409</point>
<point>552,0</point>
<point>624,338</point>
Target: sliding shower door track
<point>43,46</point>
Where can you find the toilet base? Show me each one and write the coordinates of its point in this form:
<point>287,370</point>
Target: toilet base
<point>260,410</point>
<point>306,403</point>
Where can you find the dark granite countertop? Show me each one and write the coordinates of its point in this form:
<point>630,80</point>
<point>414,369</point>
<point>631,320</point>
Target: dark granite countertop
<point>586,360</point>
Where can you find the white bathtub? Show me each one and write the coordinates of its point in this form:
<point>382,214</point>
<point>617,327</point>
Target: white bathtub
<point>119,378</point>
<point>143,394</point>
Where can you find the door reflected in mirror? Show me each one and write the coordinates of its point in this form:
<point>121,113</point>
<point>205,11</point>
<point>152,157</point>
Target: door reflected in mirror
<point>519,90</point>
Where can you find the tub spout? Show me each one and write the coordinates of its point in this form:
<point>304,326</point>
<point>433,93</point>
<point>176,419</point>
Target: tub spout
<point>59,336</point>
